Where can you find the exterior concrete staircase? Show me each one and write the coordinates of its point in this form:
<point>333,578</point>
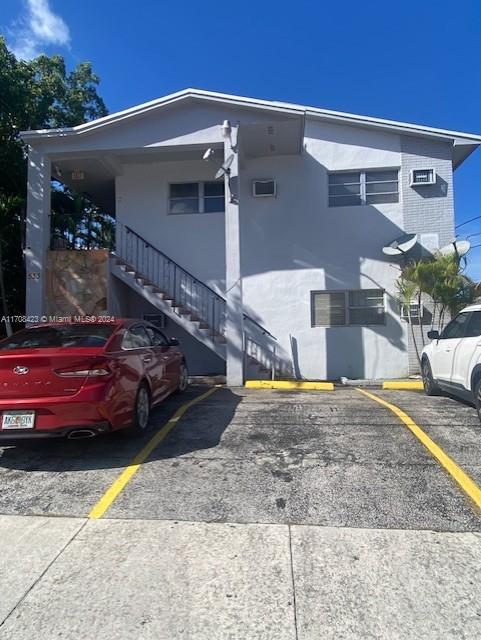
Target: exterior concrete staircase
<point>193,305</point>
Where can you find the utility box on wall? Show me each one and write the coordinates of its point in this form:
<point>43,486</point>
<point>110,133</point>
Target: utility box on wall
<point>76,282</point>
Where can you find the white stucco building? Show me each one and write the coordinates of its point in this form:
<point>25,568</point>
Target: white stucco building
<point>278,262</point>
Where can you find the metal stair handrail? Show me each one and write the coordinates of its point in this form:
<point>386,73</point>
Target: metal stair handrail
<point>190,296</point>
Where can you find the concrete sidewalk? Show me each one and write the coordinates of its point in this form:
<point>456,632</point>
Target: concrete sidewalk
<point>123,579</point>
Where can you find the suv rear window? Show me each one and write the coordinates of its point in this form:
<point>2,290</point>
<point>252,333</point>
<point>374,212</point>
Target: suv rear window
<point>88,335</point>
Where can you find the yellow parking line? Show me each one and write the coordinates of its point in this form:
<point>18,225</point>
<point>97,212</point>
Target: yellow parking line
<point>469,487</point>
<point>289,385</point>
<point>131,469</point>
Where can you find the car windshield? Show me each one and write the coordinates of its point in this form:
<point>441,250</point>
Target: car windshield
<point>61,336</point>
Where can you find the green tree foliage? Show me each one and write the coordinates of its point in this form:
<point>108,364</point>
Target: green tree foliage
<point>38,94</point>
<point>443,281</point>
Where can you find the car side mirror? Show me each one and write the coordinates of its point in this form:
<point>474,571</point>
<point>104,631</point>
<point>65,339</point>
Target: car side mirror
<point>433,335</point>
<point>173,342</point>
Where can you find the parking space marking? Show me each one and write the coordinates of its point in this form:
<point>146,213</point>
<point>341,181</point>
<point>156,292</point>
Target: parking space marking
<point>131,469</point>
<point>463,480</point>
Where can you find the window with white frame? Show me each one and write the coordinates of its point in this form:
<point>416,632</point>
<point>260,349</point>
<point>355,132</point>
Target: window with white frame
<point>196,197</point>
<point>357,307</point>
<point>351,188</point>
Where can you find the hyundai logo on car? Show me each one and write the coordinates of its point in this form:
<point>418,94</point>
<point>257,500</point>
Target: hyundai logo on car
<point>21,371</point>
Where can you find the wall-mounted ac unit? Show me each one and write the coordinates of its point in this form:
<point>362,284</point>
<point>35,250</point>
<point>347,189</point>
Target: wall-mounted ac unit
<point>264,188</point>
<point>157,319</point>
<point>413,311</point>
<point>421,177</point>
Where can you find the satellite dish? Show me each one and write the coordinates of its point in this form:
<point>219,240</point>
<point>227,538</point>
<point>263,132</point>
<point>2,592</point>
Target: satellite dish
<point>225,168</point>
<point>457,248</point>
<point>401,245</point>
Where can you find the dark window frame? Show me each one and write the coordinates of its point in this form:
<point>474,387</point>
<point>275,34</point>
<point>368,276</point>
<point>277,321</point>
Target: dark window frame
<point>347,307</point>
<point>365,198</point>
<point>203,200</point>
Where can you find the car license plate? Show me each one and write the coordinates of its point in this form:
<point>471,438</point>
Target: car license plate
<point>18,419</point>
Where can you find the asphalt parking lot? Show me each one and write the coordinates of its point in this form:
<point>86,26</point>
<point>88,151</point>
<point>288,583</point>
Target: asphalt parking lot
<point>263,514</point>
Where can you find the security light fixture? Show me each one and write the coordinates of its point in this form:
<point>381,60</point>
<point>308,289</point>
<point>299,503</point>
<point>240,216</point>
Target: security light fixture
<point>208,154</point>
<point>226,129</point>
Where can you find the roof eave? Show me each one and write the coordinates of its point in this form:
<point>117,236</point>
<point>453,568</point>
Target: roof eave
<point>455,137</point>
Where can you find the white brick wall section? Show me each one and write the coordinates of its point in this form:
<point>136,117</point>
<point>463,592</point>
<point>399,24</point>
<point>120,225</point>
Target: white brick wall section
<point>427,209</point>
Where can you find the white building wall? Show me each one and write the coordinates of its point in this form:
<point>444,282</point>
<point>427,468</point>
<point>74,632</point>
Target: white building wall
<point>296,243</point>
<point>292,244</point>
<point>195,242</point>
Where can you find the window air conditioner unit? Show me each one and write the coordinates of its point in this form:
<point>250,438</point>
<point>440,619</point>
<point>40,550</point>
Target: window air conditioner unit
<point>264,188</point>
<point>414,311</point>
<point>421,177</point>
<point>157,319</point>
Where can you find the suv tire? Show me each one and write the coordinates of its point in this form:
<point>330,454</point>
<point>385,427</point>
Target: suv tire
<point>430,386</point>
<point>477,398</point>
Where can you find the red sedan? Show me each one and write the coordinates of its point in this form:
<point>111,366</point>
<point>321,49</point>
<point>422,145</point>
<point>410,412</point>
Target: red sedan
<point>79,380</point>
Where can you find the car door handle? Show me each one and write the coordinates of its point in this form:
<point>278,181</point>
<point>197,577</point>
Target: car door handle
<point>147,359</point>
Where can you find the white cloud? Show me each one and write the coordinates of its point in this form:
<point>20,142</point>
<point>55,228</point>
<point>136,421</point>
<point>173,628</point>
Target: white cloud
<point>39,27</point>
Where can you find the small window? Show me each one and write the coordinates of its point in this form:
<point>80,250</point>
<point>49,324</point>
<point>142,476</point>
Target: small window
<point>344,189</point>
<point>328,308</point>
<point>363,187</point>
<point>196,197</point>
<point>136,338</point>
<point>455,329</point>
<point>473,330</point>
<point>184,198</point>
<point>347,308</point>
<point>381,186</point>
<point>366,306</point>
<point>214,197</point>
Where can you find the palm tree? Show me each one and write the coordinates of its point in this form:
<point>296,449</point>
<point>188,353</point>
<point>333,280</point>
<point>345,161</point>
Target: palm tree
<point>443,280</point>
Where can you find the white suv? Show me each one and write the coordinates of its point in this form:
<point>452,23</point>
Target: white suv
<point>452,361</point>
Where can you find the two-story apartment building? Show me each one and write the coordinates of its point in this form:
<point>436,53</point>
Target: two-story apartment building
<point>277,261</point>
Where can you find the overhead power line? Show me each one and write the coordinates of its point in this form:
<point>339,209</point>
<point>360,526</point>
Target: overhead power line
<point>467,222</point>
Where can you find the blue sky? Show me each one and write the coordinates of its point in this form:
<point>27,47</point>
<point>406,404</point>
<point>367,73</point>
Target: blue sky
<point>412,61</point>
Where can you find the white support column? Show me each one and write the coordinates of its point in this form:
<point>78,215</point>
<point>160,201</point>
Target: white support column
<point>234,330</point>
<point>37,230</point>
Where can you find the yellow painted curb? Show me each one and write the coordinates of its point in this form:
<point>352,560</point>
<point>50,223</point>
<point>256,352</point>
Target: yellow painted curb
<point>289,385</point>
<point>403,384</point>
<point>134,465</point>
<point>468,485</point>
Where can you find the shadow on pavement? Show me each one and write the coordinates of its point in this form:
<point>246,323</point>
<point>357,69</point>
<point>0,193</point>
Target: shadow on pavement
<point>196,430</point>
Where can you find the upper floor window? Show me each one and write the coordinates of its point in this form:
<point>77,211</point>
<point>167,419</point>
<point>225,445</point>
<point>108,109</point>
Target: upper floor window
<point>196,197</point>
<point>350,188</point>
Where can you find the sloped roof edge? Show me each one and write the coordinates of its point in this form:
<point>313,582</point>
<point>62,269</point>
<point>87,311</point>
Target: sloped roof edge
<point>241,101</point>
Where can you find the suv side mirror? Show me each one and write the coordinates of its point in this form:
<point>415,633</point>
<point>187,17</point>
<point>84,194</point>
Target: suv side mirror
<point>433,335</point>
<point>173,342</point>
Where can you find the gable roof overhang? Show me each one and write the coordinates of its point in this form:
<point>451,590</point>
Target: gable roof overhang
<point>463,143</point>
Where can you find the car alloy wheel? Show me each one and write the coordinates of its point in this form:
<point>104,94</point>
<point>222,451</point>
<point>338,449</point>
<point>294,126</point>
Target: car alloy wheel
<point>183,378</point>
<point>430,387</point>
<point>477,398</point>
<point>142,408</point>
